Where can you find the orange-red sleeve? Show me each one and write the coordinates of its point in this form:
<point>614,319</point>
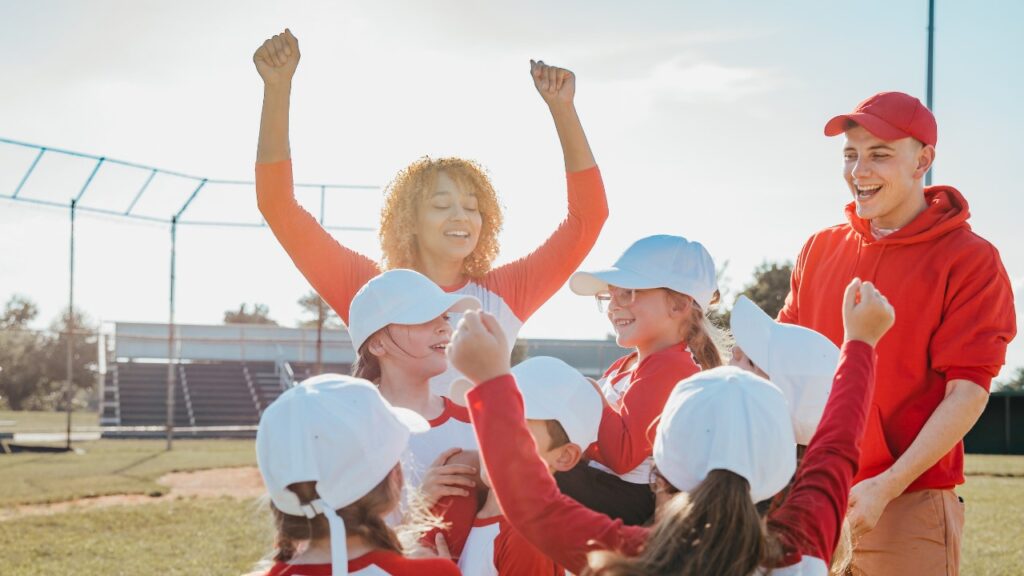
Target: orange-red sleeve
<point>526,284</point>
<point>334,271</point>
<point>978,319</point>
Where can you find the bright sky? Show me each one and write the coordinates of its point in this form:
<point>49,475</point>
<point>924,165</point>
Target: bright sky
<point>706,122</point>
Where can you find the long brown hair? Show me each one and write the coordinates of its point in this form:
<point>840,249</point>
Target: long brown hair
<point>704,339</point>
<point>367,365</point>
<point>714,529</point>
<point>364,517</point>
<point>404,196</point>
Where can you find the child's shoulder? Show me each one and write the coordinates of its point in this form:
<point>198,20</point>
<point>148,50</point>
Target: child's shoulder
<point>398,565</point>
<point>676,359</point>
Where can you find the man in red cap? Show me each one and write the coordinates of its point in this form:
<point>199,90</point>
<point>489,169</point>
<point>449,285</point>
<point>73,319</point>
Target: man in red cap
<point>954,319</point>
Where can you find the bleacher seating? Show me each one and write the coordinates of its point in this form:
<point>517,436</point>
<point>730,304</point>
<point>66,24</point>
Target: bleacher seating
<point>303,370</point>
<point>220,394</point>
<point>205,393</point>
<point>140,396</point>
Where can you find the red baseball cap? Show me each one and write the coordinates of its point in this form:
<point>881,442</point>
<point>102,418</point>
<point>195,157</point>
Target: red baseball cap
<point>890,116</point>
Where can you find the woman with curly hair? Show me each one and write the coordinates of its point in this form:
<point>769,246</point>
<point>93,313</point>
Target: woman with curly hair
<point>441,217</point>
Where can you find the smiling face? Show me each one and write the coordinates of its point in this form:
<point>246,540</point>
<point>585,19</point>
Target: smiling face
<point>448,222</point>
<point>885,177</point>
<point>650,323</point>
<point>414,350</point>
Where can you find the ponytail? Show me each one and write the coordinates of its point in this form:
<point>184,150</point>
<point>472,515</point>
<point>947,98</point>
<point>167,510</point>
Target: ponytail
<point>704,339</point>
<point>714,529</point>
<point>366,366</point>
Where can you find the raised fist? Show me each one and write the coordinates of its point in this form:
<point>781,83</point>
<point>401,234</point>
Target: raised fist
<point>277,58</point>
<point>479,348</point>
<point>556,85</point>
<point>867,314</point>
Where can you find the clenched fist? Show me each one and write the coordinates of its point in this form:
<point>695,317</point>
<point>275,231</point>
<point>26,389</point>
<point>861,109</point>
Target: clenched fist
<point>867,314</point>
<point>557,86</point>
<point>277,58</point>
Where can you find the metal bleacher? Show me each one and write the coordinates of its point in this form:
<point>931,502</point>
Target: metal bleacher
<point>225,376</point>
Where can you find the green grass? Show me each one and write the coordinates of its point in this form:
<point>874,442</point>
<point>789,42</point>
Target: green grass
<point>994,530</point>
<point>988,465</point>
<point>177,537</point>
<point>111,467</point>
<point>224,536</point>
<point>31,421</point>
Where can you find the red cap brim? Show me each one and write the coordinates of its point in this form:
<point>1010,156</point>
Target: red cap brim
<point>873,124</point>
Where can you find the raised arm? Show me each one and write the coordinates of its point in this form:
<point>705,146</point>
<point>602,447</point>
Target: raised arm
<point>557,86</point>
<point>527,283</point>
<point>276,60</point>
<point>555,524</point>
<point>334,271</point>
<point>809,521</point>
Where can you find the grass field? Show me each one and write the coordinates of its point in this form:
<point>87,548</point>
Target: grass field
<point>46,421</point>
<point>225,536</point>
<point>111,467</point>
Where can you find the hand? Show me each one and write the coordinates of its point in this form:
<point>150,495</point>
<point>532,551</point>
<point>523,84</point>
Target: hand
<point>867,315</point>
<point>557,86</point>
<point>479,348</point>
<point>444,479</point>
<point>277,58</point>
<point>868,500</point>
<point>442,547</point>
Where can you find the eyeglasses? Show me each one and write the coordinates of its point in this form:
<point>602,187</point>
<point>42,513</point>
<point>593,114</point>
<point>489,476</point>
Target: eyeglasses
<point>622,297</point>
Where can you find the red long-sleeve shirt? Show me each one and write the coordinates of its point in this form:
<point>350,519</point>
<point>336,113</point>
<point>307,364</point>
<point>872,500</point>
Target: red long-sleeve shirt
<point>807,524</point>
<point>622,440</point>
<point>954,318</point>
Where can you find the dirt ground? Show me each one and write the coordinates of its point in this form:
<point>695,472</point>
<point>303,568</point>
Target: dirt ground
<point>240,483</point>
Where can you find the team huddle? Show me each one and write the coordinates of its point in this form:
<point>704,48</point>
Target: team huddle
<point>806,444</point>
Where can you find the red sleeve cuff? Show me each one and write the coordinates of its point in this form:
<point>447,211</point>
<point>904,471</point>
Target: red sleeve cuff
<point>980,375</point>
<point>477,393</point>
<point>858,347</point>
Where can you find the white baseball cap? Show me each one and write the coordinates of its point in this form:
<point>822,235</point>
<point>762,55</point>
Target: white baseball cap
<point>553,390</point>
<point>400,296</point>
<point>726,419</point>
<point>661,261</point>
<point>339,432</point>
<point>800,361</point>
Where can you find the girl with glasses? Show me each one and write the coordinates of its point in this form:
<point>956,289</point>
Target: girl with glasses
<point>656,297</point>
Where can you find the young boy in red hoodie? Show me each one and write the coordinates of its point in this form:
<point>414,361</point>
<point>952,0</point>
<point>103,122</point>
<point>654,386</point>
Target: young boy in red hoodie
<point>957,317</point>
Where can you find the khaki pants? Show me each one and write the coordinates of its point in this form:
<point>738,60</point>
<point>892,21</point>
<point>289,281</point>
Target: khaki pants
<point>918,533</point>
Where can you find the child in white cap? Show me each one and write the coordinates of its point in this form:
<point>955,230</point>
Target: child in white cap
<point>724,441</point>
<point>800,361</point>
<point>656,296</point>
<point>399,323</point>
<point>563,411</point>
<point>329,451</point>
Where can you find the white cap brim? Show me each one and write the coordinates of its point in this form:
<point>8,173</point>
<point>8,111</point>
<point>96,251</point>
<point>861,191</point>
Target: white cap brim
<point>420,312</point>
<point>411,420</point>
<point>752,330</point>
<point>590,283</point>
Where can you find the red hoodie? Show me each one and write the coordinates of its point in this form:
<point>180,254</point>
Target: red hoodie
<point>954,318</point>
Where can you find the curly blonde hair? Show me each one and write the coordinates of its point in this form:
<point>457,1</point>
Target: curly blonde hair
<point>407,192</point>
